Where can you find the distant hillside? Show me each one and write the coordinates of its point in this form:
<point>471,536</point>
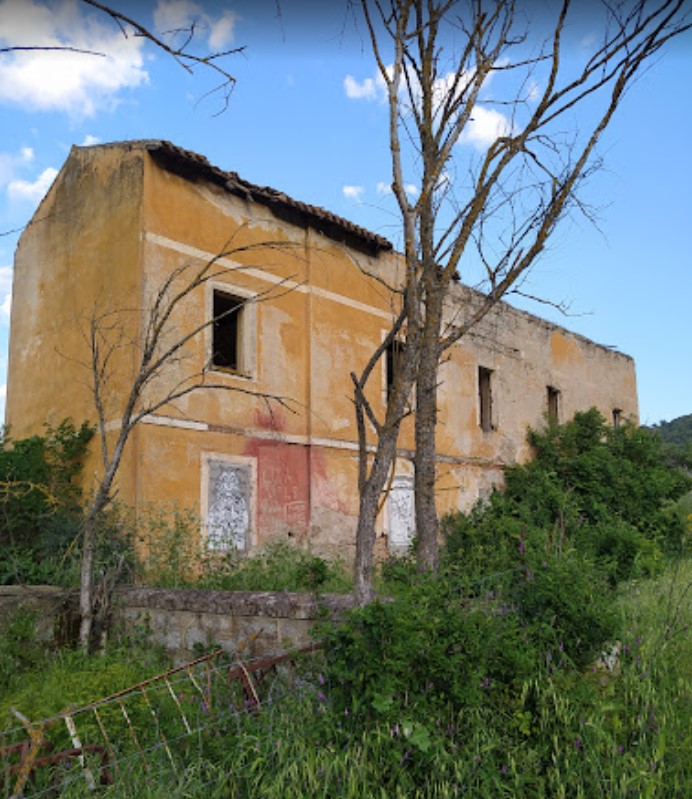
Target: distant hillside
<point>677,441</point>
<point>678,431</point>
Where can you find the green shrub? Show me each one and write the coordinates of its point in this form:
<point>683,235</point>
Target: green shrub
<point>604,492</point>
<point>40,503</point>
<point>278,567</point>
<point>167,545</point>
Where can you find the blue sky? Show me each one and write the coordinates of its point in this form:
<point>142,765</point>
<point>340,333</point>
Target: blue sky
<point>307,117</point>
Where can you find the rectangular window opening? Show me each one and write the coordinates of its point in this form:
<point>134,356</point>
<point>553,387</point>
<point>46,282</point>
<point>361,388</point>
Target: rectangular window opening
<point>553,404</point>
<point>227,310</point>
<point>617,417</point>
<point>485,398</point>
<point>393,354</point>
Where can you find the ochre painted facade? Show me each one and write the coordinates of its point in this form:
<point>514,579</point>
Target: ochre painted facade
<point>121,218</point>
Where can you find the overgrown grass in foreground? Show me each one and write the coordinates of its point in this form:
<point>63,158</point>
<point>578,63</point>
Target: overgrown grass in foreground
<point>549,729</point>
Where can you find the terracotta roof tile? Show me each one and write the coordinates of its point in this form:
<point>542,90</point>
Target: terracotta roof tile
<point>192,165</point>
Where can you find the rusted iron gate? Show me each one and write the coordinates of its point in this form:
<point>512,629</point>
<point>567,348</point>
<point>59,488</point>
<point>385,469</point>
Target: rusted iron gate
<point>151,716</point>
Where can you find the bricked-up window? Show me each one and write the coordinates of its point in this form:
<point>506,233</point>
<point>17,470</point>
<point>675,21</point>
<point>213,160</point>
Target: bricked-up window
<point>485,398</point>
<point>227,331</point>
<point>617,417</point>
<point>553,404</point>
<point>394,354</point>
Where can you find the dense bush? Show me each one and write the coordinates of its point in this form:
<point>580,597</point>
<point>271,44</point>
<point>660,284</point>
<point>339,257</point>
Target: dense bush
<point>40,503</point>
<point>169,554</point>
<point>605,492</point>
<point>524,603</point>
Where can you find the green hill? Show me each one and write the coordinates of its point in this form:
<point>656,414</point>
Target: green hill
<point>677,441</point>
<point>678,431</point>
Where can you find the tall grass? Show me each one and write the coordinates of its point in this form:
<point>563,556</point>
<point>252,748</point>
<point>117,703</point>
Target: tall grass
<point>577,732</point>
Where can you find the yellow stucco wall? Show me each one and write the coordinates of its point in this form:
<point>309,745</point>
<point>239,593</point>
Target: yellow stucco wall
<point>117,225</point>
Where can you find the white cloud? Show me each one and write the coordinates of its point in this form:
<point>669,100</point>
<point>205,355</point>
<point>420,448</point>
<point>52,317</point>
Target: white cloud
<point>10,161</point>
<point>176,17</point>
<point>33,192</point>
<point>221,33</point>
<point>90,140</point>
<point>77,83</point>
<point>375,88</point>
<point>171,16</point>
<point>485,125</point>
<point>366,90</point>
<point>386,188</point>
<point>534,92</point>
<point>353,192</point>
<point>5,293</point>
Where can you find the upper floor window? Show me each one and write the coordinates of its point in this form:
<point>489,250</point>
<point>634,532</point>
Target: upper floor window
<point>485,399</point>
<point>227,312</point>
<point>617,417</point>
<point>393,356</point>
<point>553,404</point>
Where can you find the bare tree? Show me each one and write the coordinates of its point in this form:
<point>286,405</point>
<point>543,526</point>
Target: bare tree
<point>490,219</point>
<point>165,370</point>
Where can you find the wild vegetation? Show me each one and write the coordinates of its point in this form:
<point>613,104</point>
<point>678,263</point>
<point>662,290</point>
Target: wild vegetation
<point>677,441</point>
<point>40,503</point>
<point>550,656</point>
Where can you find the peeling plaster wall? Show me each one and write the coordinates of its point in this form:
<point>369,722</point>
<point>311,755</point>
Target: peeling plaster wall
<point>118,223</point>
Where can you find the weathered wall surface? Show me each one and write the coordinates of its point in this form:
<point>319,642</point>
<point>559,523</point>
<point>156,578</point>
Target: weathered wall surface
<point>254,623</point>
<point>121,221</point>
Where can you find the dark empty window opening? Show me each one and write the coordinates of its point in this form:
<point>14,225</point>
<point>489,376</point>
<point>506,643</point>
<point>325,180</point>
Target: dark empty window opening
<point>393,355</point>
<point>617,417</point>
<point>227,312</point>
<point>553,404</point>
<point>485,398</point>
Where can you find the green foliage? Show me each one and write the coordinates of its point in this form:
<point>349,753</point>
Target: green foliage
<point>169,555</point>
<point>278,567</point>
<point>40,500</point>
<point>20,650</point>
<point>69,678</point>
<point>167,545</point>
<point>677,431</point>
<point>604,492</point>
<point>538,727</point>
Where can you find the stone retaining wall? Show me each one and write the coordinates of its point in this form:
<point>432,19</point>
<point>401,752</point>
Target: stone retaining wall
<point>256,622</point>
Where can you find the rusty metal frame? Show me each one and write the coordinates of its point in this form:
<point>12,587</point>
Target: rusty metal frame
<point>249,675</point>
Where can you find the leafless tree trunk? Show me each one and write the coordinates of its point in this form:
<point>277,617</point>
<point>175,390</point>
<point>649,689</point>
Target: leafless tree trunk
<point>162,343</point>
<point>374,471</point>
<point>436,59</point>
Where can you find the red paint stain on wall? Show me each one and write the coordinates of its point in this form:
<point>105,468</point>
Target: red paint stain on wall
<point>325,493</point>
<point>270,419</point>
<point>283,486</point>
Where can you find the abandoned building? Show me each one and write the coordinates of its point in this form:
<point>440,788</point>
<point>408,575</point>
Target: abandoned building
<point>302,301</point>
